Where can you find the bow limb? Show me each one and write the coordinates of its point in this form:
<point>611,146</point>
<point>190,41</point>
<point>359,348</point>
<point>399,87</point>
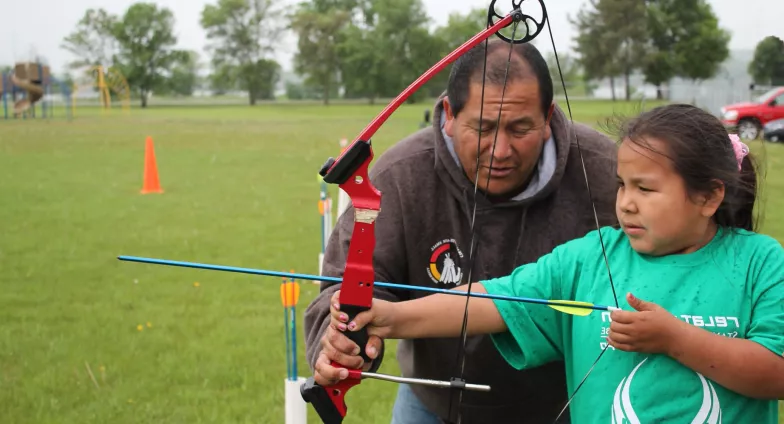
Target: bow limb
<point>350,171</point>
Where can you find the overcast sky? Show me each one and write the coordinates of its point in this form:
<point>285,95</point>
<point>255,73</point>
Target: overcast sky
<point>33,27</point>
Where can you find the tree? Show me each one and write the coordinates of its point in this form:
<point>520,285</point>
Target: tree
<point>145,35</point>
<point>243,33</point>
<point>659,65</point>
<point>767,66</point>
<point>260,78</point>
<point>388,50</point>
<point>570,70</point>
<point>702,45</point>
<point>624,29</point>
<point>319,36</point>
<point>223,79</point>
<point>685,41</point>
<point>93,42</point>
<point>362,64</point>
<point>459,28</point>
<point>185,75</point>
<point>596,46</point>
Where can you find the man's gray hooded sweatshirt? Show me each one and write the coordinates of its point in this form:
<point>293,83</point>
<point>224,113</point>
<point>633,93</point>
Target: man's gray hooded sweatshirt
<point>422,238</point>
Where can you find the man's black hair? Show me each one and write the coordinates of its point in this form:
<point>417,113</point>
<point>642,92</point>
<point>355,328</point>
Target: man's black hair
<point>467,69</point>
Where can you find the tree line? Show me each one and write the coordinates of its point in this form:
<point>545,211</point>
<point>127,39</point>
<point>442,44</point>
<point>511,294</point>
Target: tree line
<point>373,49</point>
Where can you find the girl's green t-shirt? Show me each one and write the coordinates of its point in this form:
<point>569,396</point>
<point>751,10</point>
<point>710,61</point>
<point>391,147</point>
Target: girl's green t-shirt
<point>733,287</point>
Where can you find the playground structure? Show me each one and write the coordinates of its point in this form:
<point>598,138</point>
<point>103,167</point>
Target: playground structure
<point>28,84</point>
<point>107,81</point>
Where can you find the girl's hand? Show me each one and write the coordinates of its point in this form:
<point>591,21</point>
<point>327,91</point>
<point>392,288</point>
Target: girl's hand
<point>649,330</point>
<point>377,319</point>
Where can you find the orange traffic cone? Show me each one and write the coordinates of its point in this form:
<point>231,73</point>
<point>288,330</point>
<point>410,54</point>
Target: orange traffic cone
<point>151,183</point>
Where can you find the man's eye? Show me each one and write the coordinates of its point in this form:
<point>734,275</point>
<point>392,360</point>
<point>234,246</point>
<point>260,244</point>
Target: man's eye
<point>645,189</point>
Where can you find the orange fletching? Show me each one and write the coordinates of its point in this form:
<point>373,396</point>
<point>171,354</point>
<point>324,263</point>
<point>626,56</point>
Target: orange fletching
<point>289,294</point>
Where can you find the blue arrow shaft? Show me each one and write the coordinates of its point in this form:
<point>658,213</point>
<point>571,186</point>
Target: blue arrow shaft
<point>339,280</point>
<point>288,342</point>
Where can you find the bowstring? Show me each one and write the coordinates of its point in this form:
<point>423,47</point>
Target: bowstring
<point>593,207</point>
<point>471,256</point>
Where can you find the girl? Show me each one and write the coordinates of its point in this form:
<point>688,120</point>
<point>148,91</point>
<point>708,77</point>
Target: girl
<point>700,336</point>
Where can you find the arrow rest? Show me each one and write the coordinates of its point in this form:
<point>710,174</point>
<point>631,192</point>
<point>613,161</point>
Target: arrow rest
<point>518,16</point>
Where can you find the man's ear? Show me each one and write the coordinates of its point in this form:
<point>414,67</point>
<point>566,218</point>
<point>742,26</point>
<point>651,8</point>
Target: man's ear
<point>450,118</point>
<point>548,132</point>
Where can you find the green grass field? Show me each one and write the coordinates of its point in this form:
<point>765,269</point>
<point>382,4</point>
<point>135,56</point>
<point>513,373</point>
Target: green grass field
<point>240,189</point>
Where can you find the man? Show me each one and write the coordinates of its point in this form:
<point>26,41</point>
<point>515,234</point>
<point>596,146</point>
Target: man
<point>536,200</point>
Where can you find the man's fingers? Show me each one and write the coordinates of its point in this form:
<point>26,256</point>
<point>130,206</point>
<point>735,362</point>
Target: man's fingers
<point>347,360</point>
<point>341,342</point>
<point>325,374</point>
<point>373,347</point>
<point>341,349</point>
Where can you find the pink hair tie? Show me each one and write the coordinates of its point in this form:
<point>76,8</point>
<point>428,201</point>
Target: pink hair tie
<point>740,148</point>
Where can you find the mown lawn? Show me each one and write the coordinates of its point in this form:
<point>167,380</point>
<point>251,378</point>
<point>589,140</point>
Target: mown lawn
<point>240,189</point>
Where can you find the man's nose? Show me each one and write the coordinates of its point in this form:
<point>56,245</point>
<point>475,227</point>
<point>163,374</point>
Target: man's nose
<point>503,148</point>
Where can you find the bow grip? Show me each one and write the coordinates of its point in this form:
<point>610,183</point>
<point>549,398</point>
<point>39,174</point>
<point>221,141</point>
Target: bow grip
<point>359,337</point>
<point>318,396</point>
<point>329,401</point>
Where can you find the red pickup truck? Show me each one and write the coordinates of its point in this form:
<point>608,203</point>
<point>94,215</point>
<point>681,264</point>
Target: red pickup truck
<point>748,118</point>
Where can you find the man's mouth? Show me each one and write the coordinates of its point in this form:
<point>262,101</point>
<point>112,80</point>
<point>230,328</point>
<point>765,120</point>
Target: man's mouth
<point>499,172</point>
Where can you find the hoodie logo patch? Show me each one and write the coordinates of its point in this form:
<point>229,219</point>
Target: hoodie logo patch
<point>445,259</point>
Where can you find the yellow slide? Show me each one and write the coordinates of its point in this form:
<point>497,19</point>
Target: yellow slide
<point>34,93</point>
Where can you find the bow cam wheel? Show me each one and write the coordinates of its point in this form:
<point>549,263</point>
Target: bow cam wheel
<point>525,26</point>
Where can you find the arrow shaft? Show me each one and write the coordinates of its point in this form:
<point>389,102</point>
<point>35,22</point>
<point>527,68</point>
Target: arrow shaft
<point>270,273</point>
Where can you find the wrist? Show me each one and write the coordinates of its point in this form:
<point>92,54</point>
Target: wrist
<point>679,337</point>
<point>394,317</point>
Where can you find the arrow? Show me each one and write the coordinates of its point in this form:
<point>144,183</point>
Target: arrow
<point>571,307</point>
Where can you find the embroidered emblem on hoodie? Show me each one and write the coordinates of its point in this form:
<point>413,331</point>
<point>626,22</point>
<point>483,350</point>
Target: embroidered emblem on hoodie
<point>445,260</point>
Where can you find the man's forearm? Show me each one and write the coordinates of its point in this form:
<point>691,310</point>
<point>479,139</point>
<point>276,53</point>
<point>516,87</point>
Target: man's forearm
<point>740,365</point>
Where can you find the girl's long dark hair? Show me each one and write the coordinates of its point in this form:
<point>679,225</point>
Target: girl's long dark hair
<point>701,152</point>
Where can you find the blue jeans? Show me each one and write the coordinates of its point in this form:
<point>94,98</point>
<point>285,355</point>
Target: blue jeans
<point>409,410</point>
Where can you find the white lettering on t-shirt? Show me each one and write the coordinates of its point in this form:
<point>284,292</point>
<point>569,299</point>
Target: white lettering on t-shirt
<point>707,322</point>
<point>710,321</point>
<point>718,322</point>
